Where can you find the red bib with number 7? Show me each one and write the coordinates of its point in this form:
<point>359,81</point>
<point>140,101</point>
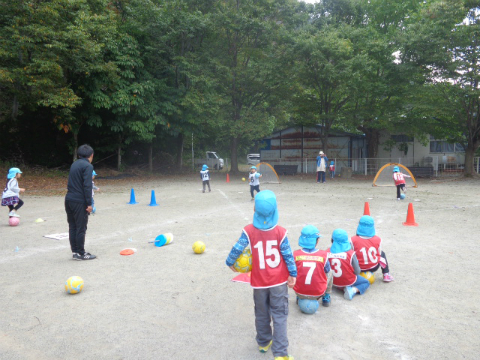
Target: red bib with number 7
<point>367,251</point>
<point>268,267</point>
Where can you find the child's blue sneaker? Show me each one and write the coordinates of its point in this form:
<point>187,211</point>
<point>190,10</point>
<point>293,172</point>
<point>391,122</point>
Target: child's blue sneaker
<point>349,293</point>
<point>326,300</point>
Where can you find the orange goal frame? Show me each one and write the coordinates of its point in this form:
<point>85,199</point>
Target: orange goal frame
<point>394,164</point>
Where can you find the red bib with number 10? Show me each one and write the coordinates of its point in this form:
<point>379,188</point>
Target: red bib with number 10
<point>367,251</point>
<point>268,267</point>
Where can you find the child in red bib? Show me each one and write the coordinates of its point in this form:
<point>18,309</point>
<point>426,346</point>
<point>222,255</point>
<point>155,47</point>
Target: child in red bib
<point>345,266</point>
<point>314,278</point>
<point>367,246</point>
<point>273,268</point>
<point>399,180</point>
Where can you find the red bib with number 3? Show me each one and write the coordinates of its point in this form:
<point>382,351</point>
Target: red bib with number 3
<point>268,267</point>
<point>367,250</point>
<point>343,273</point>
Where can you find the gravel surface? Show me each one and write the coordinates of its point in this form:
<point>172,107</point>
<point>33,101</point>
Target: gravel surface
<point>168,303</point>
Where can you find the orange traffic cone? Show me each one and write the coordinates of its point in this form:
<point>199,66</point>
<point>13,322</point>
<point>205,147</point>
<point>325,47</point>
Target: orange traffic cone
<point>410,216</point>
<point>366,209</point>
<point>228,178</point>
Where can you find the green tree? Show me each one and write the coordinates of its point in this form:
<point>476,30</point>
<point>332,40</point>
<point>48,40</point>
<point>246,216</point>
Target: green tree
<point>445,43</point>
<point>246,62</point>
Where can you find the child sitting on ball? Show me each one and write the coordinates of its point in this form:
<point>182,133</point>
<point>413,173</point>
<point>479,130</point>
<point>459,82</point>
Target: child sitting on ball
<point>345,266</point>
<point>314,279</point>
<point>367,246</point>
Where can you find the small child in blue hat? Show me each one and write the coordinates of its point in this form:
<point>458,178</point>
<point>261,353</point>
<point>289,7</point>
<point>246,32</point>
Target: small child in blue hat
<point>273,271</point>
<point>205,176</point>
<point>94,188</point>
<point>331,168</point>
<point>345,266</point>
<point>314,278</point>
<point>11,193</point>
<point>367,246</point>
<point>254,180</point>
<point>399,180</point>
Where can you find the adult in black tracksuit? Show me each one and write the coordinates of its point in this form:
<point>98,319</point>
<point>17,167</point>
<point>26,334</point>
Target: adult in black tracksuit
<point>78,201</point>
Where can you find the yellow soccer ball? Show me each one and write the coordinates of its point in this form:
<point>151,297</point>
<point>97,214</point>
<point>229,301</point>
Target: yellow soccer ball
<point>243,179</point>
<point>244,262</point>
<point>74,285</point>
<point>369,276</point>
<point>198,247</point>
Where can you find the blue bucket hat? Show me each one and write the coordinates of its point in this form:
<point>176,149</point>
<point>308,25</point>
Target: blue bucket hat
<point>253,167</point>
<point>94,173</point>
<point>266,213</point>
<point>13,172</point>
<point>366,226</point>
<point>204,167</point>
<point>396,169</point>
<point>332,163</point>
<point>340,241</point>
<point>308,238</point>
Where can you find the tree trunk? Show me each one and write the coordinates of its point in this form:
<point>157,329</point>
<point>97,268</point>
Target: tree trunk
<point>150,158</point>
<point>75,146</point>
<point>469,155</point>
<point>233,154</point>
<point>180,139</point>
<point>373,139</point>
<point>119,153</point>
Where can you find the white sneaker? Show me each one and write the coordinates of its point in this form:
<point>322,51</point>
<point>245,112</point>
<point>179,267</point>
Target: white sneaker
<point>13,214</point>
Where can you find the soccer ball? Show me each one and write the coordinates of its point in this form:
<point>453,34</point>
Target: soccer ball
<point>244,262</point>
<point>198,247</point>
<point>369,276</point>
<point>13,221</point>
<point>74,285</point>
<point>402,196</point>
<point>308,306</point>
<point>243,179</point>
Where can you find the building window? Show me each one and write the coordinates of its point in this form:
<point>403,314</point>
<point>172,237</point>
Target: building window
<point>442,146</point>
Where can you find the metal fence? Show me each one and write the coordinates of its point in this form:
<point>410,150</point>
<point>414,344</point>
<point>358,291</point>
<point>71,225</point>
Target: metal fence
<point>431,165</point>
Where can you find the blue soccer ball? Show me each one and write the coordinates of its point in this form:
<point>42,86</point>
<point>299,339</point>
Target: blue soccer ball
<point>402,196</point>
<point>308,306</point>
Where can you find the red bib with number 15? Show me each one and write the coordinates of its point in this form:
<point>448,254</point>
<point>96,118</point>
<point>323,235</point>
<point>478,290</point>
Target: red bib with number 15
<point>268,267</point>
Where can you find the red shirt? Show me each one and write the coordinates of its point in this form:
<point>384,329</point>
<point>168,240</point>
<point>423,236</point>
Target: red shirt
<point>367,251</point>
<point>343,273</point>
<point>268,267</point>
<point>311,277</point>
<point>398,178</point>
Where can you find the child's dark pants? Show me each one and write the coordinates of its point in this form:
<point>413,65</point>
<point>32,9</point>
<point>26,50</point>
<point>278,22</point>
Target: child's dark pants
<point>16,207</point>
<point>77,217</point>
<point>400,187</point>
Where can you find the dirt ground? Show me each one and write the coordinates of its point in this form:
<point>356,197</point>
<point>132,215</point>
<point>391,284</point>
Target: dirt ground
<point>168,303</point>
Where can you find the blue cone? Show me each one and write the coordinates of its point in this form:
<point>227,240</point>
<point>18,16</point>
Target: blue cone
<point>132,198</point>
<point>153,202</point>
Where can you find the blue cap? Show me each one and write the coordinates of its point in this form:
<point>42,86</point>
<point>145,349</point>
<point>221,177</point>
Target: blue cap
<point>266,213</point>
<point>366,226</point>
<point>204,167</point>
<point>253,167</point>
<point>332,163</point>
<point>94,173</point>
<point>308,238</point>
<point>396,169</point>
<point>13,172</point>
<point>340,241</point>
